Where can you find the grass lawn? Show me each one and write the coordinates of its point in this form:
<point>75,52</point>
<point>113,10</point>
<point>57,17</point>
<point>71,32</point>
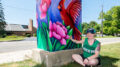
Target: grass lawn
<point>110,55</point>
<point>12,38</point>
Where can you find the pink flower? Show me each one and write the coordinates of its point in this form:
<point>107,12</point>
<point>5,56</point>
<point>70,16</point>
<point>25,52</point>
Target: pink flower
<point>58,31</point>
<point>44,7</point>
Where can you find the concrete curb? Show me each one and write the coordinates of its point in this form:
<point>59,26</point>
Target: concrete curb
<point>54,59</point>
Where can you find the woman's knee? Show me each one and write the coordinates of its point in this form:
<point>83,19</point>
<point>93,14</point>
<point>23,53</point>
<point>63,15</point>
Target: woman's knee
<point>73,56</point>
<point>93,62</point>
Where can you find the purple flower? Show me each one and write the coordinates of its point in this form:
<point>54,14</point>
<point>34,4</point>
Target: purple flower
<point>58,31</point>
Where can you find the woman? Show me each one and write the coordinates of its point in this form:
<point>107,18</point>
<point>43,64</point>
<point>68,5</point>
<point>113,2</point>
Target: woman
<point>91,50</point>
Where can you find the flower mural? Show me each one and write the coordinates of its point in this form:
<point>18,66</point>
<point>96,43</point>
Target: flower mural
<point>56,21</point>
<point>58,31</point>
<point>44,5</point>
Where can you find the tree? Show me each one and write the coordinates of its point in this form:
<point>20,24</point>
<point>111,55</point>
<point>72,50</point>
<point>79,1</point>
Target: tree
<point>92,24</point>
<point>111,23</point>
<point>85,26</point>
<point>2,21</point>
<point>97,27</point>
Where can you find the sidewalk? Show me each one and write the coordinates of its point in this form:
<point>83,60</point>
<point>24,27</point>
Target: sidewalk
<point>105,41</point>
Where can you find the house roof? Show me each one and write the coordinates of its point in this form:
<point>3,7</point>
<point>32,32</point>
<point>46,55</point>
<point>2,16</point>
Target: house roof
<point>16,27</point>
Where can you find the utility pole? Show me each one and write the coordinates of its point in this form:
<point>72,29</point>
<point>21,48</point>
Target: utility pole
<point>102,22</point>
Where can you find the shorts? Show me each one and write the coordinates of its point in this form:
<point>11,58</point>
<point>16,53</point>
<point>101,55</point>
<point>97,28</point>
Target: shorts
<point>99,60</point>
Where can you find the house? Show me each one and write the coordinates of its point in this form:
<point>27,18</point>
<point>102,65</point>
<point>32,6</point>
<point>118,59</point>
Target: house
<point>18,29</point>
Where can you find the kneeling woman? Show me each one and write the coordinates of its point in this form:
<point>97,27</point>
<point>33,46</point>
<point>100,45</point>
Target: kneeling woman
<point>91,50</point>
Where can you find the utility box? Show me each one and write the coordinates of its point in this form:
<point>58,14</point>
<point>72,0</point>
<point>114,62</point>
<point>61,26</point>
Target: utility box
<point>57,20</point>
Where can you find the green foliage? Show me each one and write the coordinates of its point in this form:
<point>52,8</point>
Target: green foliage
<point>2,21</point>
<point>92,24</point>
<point>43,37</point>
<point>111,23</point>
<point>68,27</point>
<point>27,35</point>
<point>85,26</point>
<point>97,28</point>
<point>12,38</point>
<point>112,30</point>
<point>63,23</point>
<point>70,32</point>
<point>34,34</point>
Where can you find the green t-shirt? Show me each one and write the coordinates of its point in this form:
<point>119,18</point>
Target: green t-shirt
<point>89,50</point>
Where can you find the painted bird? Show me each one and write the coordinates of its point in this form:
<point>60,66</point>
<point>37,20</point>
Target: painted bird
<point>70,15</point>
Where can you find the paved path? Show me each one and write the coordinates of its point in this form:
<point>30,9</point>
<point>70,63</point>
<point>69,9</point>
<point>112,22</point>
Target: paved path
<point>30,39</point>
<point>109,40</point>
<point>17,46</point>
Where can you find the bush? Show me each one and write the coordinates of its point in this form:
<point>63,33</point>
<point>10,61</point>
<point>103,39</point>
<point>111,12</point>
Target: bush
<point>12,36</point>
<point>34,34</point>
<point>3,36</point>
<point>27,35</point>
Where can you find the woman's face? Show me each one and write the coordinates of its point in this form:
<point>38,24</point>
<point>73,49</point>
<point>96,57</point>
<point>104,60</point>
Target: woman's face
<point>90,35</point>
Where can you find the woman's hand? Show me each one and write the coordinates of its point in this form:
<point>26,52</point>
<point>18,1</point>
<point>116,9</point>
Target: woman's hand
<point>76,41</point>
<point>85,61</point>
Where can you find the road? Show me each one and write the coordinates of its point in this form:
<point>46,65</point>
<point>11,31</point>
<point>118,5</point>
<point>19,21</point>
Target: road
<point>17,45</point>
<point>30,43</point>
<point>109,40</point>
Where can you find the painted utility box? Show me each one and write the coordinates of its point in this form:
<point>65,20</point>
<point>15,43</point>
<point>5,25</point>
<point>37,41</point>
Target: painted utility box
<point>57,20</point>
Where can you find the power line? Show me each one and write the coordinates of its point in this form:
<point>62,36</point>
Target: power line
<point>19,8</point>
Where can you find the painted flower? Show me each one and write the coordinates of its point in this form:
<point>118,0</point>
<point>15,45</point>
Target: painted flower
<point>45,4</point>
<point>58,31</point>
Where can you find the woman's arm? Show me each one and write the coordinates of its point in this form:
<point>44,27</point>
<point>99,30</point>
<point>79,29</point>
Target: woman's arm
<point>97,51</point>
<point>76,41</point>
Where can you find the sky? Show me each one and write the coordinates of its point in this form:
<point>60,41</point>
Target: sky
<point>20,11</point>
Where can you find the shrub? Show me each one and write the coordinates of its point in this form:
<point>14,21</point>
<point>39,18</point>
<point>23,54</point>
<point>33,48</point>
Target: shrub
<point>27,35</point>
<point>34,34</point>
<point>12,36</point>
<point>3,36</point>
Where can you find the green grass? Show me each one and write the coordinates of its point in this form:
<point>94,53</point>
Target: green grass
<point>110,57</point>
<point>12,38</point>
<point>27,63</point>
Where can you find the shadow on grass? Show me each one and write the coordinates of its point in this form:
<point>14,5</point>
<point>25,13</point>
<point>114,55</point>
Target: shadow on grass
<point>108,61</point>
<point>40,65</point>
<point>105,62</point>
